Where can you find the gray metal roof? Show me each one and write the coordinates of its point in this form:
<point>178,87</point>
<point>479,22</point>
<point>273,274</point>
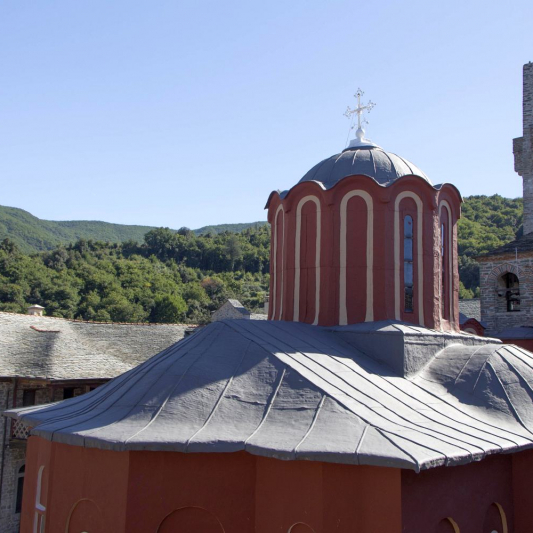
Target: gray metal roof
<point>294,391</point>
<point>55,348</point>
<point>371,161</point>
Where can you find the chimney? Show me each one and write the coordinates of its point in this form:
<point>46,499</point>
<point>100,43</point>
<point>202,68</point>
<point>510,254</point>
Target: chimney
<point>523,148</point>
<point>36,310</point>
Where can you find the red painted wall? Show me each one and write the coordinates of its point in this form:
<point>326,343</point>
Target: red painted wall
<point>466,494</point>
<point>140,492</point>
<point>527,344</point>
<point>383,251</point>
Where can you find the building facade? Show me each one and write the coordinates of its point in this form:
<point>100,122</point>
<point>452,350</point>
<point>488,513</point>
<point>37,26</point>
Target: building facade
<point>44,360</point>
<point>506,274</point>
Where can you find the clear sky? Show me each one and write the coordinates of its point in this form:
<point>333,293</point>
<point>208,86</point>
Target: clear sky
<point>188,113</point>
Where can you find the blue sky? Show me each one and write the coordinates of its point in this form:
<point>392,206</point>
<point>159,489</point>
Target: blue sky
<point>175,114</point>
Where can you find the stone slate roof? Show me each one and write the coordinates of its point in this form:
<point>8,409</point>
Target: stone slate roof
<point>383,393</point>
<point>521,245</point>
<point>59,349</point>
<point>470,308</point>
<point>238,307</point>
<point>516,332</point>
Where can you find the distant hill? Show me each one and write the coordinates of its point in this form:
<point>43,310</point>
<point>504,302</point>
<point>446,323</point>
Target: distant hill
<point>232,228</point>
<point>32,234</point>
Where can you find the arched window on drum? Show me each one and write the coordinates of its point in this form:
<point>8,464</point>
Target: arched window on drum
<point>408,269</point>
<point>445,263</point>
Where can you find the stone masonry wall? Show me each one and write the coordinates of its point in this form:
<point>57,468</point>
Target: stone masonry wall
<point>494,307</point>
<point>13,455</point>
<point>523,149</point>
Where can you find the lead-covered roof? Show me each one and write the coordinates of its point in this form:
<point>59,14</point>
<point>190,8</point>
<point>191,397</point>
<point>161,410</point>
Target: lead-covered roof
<point>295,391</point>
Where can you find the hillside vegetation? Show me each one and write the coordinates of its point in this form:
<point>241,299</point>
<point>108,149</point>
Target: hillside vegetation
<point>32,234</point>
<point>179,276</point>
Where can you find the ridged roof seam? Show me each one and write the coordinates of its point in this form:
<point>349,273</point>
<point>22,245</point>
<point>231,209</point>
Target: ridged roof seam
<point>408,424</point>
<point>422,414</point>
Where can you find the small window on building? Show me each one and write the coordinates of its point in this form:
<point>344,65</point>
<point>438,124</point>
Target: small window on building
<point>512,292</point>
<point>20,488</point>
<point>408,275</point>
<point>68,392</point>
<point>28,397</point>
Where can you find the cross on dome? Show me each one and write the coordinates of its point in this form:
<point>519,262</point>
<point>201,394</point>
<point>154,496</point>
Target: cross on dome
<point>359,110</point>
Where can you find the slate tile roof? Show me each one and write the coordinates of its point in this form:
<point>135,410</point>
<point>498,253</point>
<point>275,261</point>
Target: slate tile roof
<point>59,349</point>
<point>522,244</point>
<point>470,308</point>
<point>294,391</point>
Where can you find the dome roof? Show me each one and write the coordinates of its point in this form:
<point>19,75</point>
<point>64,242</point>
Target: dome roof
<point>370,161</point>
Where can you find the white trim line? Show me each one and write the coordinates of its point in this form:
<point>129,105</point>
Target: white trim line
<point>420,256</point>
<point>274,270</point>
<point>301,203</point>
<point>343,313</point>
<point>450,254</point>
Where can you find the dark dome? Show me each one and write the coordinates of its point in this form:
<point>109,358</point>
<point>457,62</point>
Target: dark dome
<point>370,161</point>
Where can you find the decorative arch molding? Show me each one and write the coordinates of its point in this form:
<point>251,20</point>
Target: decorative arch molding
<point>301,203</point>
<point>92,509</point>
<point>343,311</point>
<point>447,206</point>
<point>198,512</point>
<point>274,270</point>
<point>300,527</point>
<point>419,254</point>
<point>503,517</point>
<point>505,268</point>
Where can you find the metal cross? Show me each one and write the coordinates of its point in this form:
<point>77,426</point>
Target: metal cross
<point>360,109</point>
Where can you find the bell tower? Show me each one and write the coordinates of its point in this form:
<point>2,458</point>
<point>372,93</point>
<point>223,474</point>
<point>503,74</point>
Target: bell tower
<point>523,148</point>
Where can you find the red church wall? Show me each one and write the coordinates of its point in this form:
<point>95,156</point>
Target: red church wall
<point>79,481</point>
<point>139,492</point>
<point>326,497</point>
<point>221,484</point>
<point>527,344</point>
<point>463,493</point>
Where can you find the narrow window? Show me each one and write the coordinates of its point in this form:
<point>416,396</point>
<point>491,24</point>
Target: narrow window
<point>443,270</point>
<point>68,392</point>
<point>408,263</point>
<point>512,293</point>
<point>28,398</point>
<point>40,509</point>
<point>20,488</point>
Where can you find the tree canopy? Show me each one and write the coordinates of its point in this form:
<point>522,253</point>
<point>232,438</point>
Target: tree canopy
<point>183,277</point>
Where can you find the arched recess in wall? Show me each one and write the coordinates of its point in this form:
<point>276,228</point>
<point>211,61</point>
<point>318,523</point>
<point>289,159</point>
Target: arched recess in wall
<point>447,525</point>
<point>349,250</point>
<point>495,520</point>
<point>307,260</point>
<point>190,520</point>
<point>419,236</point>
<point>300,527</point>
<point>445,218</point>
<point>278,263</point>
<point>85,515</point>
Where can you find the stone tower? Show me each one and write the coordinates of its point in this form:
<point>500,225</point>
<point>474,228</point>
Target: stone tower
<point>523,149</point>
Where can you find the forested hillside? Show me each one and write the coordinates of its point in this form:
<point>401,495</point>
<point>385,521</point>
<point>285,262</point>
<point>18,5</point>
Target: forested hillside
<point>32,234</point>
<point>171,277</point>
<point>182,277</point>
<point>486,223</point>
